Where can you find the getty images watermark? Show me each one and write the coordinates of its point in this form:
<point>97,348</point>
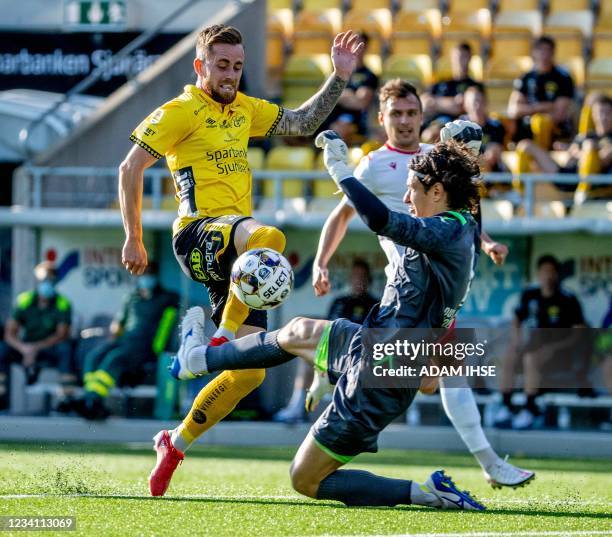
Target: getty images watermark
<point>566,359</point>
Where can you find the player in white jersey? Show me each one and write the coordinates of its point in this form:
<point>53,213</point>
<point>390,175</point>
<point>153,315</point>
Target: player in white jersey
<point>383,172</point>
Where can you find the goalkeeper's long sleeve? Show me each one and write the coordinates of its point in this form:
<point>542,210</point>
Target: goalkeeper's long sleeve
<point>372,211</point>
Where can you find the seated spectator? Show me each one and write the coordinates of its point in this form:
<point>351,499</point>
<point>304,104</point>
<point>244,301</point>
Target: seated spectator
<point>541,102</point>
<point>587,155</point>
<point>493,132</point>
<point>354,306</point>
<point>140,332</point>
<point>443,102</point>
<point>545,306</point>
<point>37,333</point>
<point>349,118</point>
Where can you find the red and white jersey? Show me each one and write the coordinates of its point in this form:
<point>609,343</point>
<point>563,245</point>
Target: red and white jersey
<point>384,172</point>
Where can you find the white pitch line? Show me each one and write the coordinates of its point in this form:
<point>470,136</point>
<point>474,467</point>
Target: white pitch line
<point>496,534</point>
<point>492,500</point>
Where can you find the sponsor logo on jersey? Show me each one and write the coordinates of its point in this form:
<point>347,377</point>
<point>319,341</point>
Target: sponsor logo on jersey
<point>196,263</point>
<point>210,123</point>
<point>156,116</point>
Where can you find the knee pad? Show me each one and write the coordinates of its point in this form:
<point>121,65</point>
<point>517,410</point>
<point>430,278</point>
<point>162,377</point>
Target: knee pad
<point>267,237</point>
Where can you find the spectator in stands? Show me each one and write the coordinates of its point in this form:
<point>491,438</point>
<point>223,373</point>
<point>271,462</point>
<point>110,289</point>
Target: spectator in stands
<point>140,332</point>
<point>543,307</point>
<point>493,132</point>
<point>354,307</point>
<point>37,333</point>
<point>541,102</point>
<point>587,155</point>
<point>350,116</point>
<point>443,102</point>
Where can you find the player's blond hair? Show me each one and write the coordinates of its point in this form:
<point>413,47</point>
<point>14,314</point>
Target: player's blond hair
<point>217,33</point>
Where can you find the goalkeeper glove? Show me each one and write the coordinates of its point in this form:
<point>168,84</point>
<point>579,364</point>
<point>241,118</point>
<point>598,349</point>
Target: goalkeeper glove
<point>335,155</point>
<point>463,131</point>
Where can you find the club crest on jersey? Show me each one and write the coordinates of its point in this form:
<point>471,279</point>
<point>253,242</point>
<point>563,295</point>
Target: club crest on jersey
<point>156,116</point>
<point>393,165</point>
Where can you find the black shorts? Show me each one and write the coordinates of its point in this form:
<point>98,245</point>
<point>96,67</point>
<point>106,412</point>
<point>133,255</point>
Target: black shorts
<point>205,251</point>
<point>353,420</point>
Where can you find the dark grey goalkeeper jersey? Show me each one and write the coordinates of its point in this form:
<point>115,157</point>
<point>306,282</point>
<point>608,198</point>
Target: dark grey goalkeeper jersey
<point>433,278</point>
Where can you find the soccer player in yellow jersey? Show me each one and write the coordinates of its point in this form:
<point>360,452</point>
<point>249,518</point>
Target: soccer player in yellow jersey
<point>204,133</point>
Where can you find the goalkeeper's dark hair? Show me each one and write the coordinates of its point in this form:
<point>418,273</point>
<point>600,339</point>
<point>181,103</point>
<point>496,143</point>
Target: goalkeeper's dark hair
<point>456,168</point>
<point>217,33</point>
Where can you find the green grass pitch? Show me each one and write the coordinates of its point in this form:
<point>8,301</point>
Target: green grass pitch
<point>246,492</point>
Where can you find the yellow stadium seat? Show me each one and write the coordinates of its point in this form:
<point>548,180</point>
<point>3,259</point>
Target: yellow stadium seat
<point>376,23</point>
<point>518,5</point>
<point>280,21</point>
<point>443,68</point>
<point>275,52</point>
<point>288,158</point>
<point>450,41</point>
<point>497,97</point>
<point>508,68</point>
<point>513,32</point>
<point>364,5</point>
<point>256,157</point>
<point>280,4</point>
<point>418,5</point>
<point>319,5</point>
<point>413,33</point>
<point>463,6</point>
<point>315,30</point>
<point>602,45</point>
<point>599,73</point>
<point>568,5</point>
<point>576,67</point>
<point>374,63</point>
<point>474,24</point>
<point>303,76</point>
<point>416,69</point>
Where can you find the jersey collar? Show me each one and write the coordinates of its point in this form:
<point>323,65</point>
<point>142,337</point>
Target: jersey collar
<point>391,148</point>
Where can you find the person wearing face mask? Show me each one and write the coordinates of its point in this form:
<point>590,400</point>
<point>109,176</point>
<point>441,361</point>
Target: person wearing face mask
<point>37,332</point>
<point>140,331</point>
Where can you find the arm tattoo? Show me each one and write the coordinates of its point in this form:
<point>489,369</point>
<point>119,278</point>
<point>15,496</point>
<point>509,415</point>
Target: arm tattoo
<point>307,118</point>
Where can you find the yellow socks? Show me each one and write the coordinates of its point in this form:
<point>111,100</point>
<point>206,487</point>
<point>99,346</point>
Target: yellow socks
<point>215,401</point>
<point>542,129</point>
<point>235,312</point>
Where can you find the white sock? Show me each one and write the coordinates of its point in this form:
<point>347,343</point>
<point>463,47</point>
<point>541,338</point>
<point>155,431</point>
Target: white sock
<point>224,332</point>
<point>462,411</point>
<point>178,441</point>
<point>486,457</point>
<point>421,495</point>
<point>196,361</point>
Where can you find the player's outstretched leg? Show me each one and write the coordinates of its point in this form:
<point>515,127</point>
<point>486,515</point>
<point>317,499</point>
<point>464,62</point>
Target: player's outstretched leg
<point>317,474</point>
<point>460,407</point>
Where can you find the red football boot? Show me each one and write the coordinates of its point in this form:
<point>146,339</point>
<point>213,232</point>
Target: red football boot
<point>168,459</point>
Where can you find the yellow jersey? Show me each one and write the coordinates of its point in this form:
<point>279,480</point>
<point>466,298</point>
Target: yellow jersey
<point>205,145</point>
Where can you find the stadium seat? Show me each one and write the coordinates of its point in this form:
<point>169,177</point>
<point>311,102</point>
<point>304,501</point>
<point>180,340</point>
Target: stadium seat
<point>365,5</point>
<point>602,45</point>
<point>599,74</point>
<point>513,33</point>
<point>414,33</point>
<point>320,5</point>
<point>498,95</point>
<point>315,30</point>
<point>576,67</point>
<point>279,4</point>
<point>256,158</point>
<point>288,158</point>
<point>519,5</point>
<point>374,63</point>
<point>568,5</point>
<point>415,68</point>
<point>507,68</point>
<point>376,23</point>
<point>569,28</point>
<point>442,70</point>
<point>465,6</point>
<point>449,41</point>
<point>303,76</point>
<point>471,27</point>
<point>417,6</point>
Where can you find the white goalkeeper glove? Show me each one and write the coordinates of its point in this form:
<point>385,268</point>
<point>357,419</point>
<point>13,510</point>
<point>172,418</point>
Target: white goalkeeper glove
<point>335,155</point>
<point>463,131</point>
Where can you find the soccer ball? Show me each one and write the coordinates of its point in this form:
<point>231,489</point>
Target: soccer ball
<point>261,278</point>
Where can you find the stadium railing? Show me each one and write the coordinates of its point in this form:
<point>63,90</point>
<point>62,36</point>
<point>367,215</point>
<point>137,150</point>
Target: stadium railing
<point>81,188</point>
